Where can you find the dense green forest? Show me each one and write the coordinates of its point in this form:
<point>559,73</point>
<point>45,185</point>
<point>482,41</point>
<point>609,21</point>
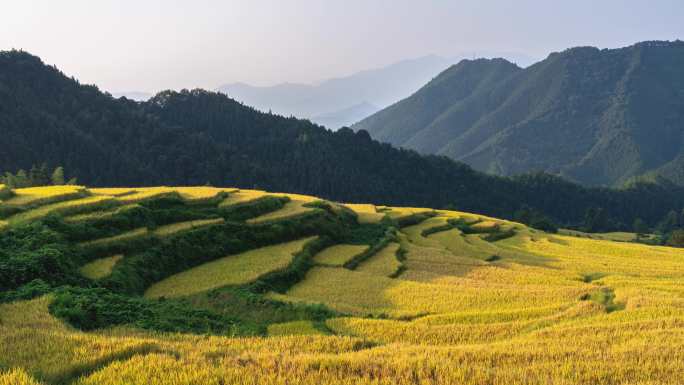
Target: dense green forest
<point>597,116</point>
<point>198,137</point>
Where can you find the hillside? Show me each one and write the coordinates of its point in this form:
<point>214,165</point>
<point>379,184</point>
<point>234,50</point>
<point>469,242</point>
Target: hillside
<point>598,117</point>
<point>201,285</point>
<point>198,137</point>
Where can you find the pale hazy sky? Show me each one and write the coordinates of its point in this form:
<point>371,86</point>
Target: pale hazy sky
<point>148,45</point>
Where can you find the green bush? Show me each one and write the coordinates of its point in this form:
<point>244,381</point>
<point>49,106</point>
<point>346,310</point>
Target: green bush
<point>31,290</point>
<point>96,308</point>
<point>33,252</point>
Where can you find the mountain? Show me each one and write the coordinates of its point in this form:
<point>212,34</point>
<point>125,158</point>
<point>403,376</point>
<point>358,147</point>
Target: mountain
<point>198,137</point>
<point>598,117</point>
<point>343,117</point>
<point>343,96</point>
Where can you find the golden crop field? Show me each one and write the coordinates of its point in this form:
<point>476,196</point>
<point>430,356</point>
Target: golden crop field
<point>165,231</point>
<point>124,237</point>
<point>291,209</point>
<point>243,196</point>
<point>366,213</point>
<point>448,307</point>
<point>142,194</point>
<point>294,328</point>
<point>43,195</point>
<point>231,270</point>
<point>338,255</point>
<point>100,267</point>
<point>73,206</point>
<point>384,263</point>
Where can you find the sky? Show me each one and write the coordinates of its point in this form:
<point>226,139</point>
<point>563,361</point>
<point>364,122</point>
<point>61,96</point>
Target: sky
<point>150,45</point>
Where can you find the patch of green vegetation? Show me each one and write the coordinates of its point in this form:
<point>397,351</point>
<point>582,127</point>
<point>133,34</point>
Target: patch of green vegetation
<point>254,309</point>
<point>590,277</point>
<point>499,235</point>
<point>606,297</point>
<point>31,290</point>
<point>33,252</point>
<point>5,192</point>
<point>96,308</point>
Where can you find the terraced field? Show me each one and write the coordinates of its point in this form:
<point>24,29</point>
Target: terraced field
<point>232,270</point>
<point>228,286</point>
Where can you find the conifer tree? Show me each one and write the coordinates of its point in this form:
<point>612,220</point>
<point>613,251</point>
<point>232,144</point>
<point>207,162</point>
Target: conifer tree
<point>58,176</point>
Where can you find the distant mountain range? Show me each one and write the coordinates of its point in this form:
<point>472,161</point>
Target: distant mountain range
<point>599,117</point>
<point>197,137</point>
<point>343,101</point>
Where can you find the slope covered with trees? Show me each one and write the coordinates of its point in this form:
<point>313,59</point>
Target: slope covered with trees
<point>198,137</point>
<point>599,117</point>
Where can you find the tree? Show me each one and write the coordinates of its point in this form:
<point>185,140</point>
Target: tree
<point>10,180</point>
<point>22,179</point>
<point>58,176</point>
<point>669,222</point>
<point>595,220</point>
<point>676,238</point>
<point>38,176</point>
<point>535,219</point>
<point>640,228</point>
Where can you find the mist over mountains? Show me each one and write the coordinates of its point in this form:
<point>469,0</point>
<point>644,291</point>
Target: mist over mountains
<point>596,116</point>
<point>343,101</point>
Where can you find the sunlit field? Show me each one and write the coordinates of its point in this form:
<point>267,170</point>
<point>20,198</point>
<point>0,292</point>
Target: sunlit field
<point>338,255</point>
<point>231,270</point>
<point>433,303</point>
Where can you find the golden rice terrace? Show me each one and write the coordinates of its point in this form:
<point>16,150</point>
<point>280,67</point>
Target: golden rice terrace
<point>226,286</point>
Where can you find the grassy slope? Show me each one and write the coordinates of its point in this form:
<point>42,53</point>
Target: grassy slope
<point>548,308</point>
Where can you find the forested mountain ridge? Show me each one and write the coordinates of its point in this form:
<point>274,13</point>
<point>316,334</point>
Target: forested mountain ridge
<point>197,137</point>
<point>599,117</point>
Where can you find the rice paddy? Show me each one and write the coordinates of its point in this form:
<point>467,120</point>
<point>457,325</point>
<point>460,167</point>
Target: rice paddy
<point>231,270</point>
<point>101,267</point>
<point>100,214</point>
<point>34,196</point>
<point>533,308</point>
<point>242,197</point>
<point>338,255</point>
<point>143,194</point>
<point>175,228</point>
<point>116,239</point>
<point>69,207</point>
<point>294,328</point>
<point>292,208</point>
<point>366,213</point>
<point>383,263</point>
